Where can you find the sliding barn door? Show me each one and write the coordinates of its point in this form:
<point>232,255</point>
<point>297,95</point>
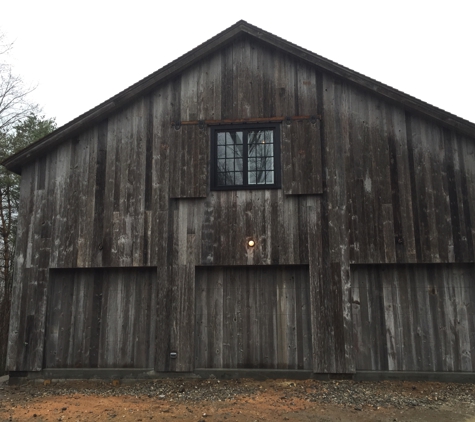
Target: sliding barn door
<point>253,317</point>
<point>101,318</point>
<point>418,317</point>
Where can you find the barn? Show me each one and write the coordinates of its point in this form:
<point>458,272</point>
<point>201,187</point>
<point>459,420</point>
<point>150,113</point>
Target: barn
<point>251,207</point>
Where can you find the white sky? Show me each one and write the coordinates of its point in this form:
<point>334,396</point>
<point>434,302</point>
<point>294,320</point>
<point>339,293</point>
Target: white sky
<point>83,52</point>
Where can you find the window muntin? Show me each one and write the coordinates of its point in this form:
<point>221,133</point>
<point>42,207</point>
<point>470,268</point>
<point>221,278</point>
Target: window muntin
<point>245,157</point>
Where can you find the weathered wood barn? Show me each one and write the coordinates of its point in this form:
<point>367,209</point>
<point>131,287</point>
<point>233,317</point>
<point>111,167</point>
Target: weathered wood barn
<point>251,205</point>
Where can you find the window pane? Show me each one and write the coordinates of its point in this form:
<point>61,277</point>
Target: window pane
<point>252,142</point>
<point>260,164</point>
<point>230,165</point>
<point>270,177</point>
<point>226,179</point>
<point>238,150</point>
<point>233,138</point>
<point>260,150</point>
<point>269,137</point>
<point>269,163</point>
<point>238,180</point>
<point>258,136</point>
<point>221,165</point>
<point>238,164</point>
<point>239,138</point>
<point>252,178</point>
<point>251,164</point>
<point>251,150</point>
<point>221,151</point>
<point>261,177</point>
<point>229,151</point>
<point>269,152</point>
<point>221,179</point>
<point>221,138</point>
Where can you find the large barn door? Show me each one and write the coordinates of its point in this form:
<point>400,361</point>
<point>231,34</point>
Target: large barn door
<point>418,317</point>
<point>253,317</point>
<point>101,318</point>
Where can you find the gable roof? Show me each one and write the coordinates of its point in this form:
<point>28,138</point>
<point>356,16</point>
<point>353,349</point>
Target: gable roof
<point>15,162</point>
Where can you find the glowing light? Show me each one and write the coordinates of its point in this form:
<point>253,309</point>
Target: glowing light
<point>251,243</point>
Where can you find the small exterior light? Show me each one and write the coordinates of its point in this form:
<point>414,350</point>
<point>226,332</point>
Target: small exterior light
<point>251,243</point>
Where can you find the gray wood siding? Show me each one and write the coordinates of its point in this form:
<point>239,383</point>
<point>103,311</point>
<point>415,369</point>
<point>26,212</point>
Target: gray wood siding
<point>302,158</point>
<point>403,184</point>
<point>101,318</point>
<point>226,220</point>
<point>253,317</point>
<point>395,191</point>
<point>368,183</point>
<point>214,231</point>
<point>189,162</point>
<point>414,317</point>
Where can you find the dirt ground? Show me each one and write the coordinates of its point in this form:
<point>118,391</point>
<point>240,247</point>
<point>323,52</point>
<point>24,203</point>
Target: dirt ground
<point>237,400</point>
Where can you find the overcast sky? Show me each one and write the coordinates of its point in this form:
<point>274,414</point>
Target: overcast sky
<point>81,53</point>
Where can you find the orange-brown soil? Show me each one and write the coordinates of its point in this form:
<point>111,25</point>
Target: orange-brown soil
<point>237,400</point>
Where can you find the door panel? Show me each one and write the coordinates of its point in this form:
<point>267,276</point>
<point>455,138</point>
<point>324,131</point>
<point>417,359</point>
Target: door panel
<point>253,317</point>
<point>101,318</point>
<point>418,317</point>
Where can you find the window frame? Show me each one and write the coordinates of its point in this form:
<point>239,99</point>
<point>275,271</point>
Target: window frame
<point>245,128</point>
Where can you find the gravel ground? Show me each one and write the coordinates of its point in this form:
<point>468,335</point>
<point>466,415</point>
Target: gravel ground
<point>240,400</point>
<point>348,393</point>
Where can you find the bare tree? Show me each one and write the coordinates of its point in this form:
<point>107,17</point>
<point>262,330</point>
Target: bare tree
<point>14,103</point>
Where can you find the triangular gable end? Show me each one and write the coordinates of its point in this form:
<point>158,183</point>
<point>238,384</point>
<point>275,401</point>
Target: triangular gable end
<point>103,110</point>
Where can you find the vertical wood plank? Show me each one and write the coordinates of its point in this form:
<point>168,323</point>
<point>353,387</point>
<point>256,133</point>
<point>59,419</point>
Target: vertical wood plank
<point>301,158</point>
<point>253,317</point>
<point>413,317</point>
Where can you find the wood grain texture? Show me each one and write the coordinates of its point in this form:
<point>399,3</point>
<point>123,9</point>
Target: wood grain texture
<point>301,155</point>
<point>224,221</point>
<point>101,318</point>
<point>404,178</point>
<point>414,317</point>
<point>369,183</point>
<point>189,162</point>
<point>253,317</point>
<point>333,313</point>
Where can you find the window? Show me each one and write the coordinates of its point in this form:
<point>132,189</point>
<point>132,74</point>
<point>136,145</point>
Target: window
<point>245,157</point>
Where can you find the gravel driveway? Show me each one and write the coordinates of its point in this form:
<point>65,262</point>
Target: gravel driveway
<point>238,400</point>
